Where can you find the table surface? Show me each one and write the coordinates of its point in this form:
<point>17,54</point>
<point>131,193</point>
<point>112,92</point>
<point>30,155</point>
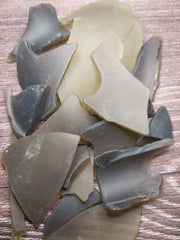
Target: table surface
<point>160,218</point>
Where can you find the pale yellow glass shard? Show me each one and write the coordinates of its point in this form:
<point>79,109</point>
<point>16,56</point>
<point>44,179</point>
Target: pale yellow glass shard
<point>82,77</point>
<point>82,184</point>
<point>121,98</point>
<point>118,17</point>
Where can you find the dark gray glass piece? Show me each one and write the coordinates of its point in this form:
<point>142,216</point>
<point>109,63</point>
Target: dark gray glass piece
<point>81,158</point>
<point>148,65</point>
<point>25,109</point>
<point>43,30</point>
<point>126,181</point>
<point>106,136</point>
<point>46,69</point>
<point>160,127</point>
<point>68,208</point>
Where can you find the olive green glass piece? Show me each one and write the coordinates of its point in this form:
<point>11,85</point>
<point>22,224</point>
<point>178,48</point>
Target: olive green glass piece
<point>37,166</point>
<point>148,64</point>
<point>96,224</point>
<point>82,185</point>
<point>71,117</point>
<point>121,98</point>
<point>106,136</point>
<point>117,17</point>
<point>45,69</point>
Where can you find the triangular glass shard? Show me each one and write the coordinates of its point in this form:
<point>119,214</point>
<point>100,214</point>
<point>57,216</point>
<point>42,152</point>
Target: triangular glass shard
<point>71,117</point>
<point>43,30</point>
<point>121,98</point>
<point>25,109</point>
<point>106,136</point>
<point>96,224</point>
<point>37,166</point>
<point>82,185</point>
<point>17,219</point>
<point>127,181</point>
<point>82,76</point>
<point>160,127</point>
<point>46,69</point>
<point>117,17</point>
<point>148,65</point>
<point>81,158</point>
<point>68,208</point>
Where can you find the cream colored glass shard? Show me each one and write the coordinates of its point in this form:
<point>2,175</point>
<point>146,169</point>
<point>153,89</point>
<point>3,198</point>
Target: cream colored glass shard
<point>118,17</point>
<point>121,98</point>
<point>83,184</point>
<point>82,77</point>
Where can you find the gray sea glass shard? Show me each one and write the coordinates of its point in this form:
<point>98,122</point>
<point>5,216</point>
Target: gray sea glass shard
<point>82,185</point>
<point>46,69</point>
<point>25,109</point>
<point>66,210</point>
<point>121,98</point>
<point>43,30</point>
<point>160,127</point>
<point>110,157</point>
<point>37,166</point>
<point>127,181</point>
<point>106,136</point>
<point>81,158</point>
<point>71,117</point>
<point>148,65</point>
<point>17,218</point>
<point>96,224</point>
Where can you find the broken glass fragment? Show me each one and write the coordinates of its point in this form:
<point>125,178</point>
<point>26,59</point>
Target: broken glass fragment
<point>43,30</point>
<point>26,108</point>
<point>46,69</point>
<point>37,166</point>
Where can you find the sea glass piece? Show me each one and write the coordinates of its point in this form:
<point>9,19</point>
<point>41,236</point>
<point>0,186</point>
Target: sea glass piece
<point>82,185</point>
<point>96,224</point>
<point>82,77</point>
<point>160,127</point>
<point>68,208</point>
<point>118,17</point>
<point>112,156</point>
<point>71,117</point>
<point>81,158</point>
<point>127,181</point>
<point>46,69</point>
<point>17,219</point>
<point>43,30</point>
<point>37,166</point>
<point>26,108</point>
<point>105,136</point>
<point>148,65</point>
<point>121,98</point>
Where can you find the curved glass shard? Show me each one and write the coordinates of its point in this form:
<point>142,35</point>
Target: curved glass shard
<point>121,98</point>
<point>71,117</point>
<point>82,185</point>
<point>148,65</point>
<point>82,77</point>
<point>117,17</point>
<point>81,158</point>
<point>46,69</point>
<point>160,127</point>
<point>96,224</point>
<point>125,181</point>
<point>106,136</point>
<point>68,208</point>
<point>43,30</point>
<point>37,166</point>
<point>25,109</point>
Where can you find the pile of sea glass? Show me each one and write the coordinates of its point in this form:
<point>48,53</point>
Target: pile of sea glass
<point>93,87</point>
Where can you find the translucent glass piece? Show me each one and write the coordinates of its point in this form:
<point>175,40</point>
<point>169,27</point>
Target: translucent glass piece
<point>121,98</point>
